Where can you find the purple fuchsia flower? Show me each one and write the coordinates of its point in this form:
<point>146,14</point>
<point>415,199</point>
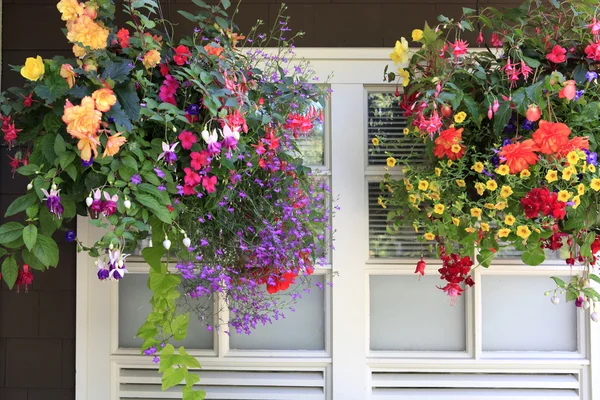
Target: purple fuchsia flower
<point>168,153</point>
<point>70,236</point>
<point>212,141</point>
<point>53,201</point>
<point>96,205</point>
<point>116,264</point>
<point>103,271</point>
<point>109,206</point>
<point>230,137</point>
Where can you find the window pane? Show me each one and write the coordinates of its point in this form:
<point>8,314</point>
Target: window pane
<point>302,329</point>
<point>312,146</point>
<point>518,317</point>
<point>134,306</point>
<point>408,314</point>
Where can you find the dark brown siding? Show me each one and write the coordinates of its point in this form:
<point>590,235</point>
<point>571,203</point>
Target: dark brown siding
<point>37,329</point>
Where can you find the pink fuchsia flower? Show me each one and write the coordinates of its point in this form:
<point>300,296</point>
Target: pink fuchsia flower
<point>96,205</point>
<point>525,70</point>
<point>594,27</point>
<point>209,184</point>
<point>496,41</point>
<point>187,139</point>
<point>569,91</point>
<point>557,55</point>
<point>459,47</point>
<point>53,201</point>
<point>200,159</point>
<point>109,205</point>
<point>480,39</point>
<point>212,140</point>
<point>168,153</point>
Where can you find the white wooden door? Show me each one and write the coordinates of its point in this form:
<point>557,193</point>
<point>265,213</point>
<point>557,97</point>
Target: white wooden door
<point>379,332</point>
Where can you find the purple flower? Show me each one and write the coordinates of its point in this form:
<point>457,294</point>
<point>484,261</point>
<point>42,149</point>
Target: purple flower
<point>506,142</point>
<point>96,206</point>
<point>591,76</point>
<point>156,360</point>
<point>150,351</point>
<point>109,206</point>
<point>203,242</point>
<point>87,163</point>
<point>193,109</point>
<point>168,153</point>
<point>70,236</point>
<point>578,94</point>
<point>592,158</point>
<point>528,125</point>
<point>136,179</point>
<point>103,272</point>
<point>162,188</point>
<point>579,301</point>
<point>159,172</point>
<point>53,202</point>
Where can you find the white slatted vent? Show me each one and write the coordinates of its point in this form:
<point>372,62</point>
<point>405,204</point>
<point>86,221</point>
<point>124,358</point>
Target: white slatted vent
<point>140,383</point>
<point>471,386</point>
<point>387,122</point>
<point>384,245</point>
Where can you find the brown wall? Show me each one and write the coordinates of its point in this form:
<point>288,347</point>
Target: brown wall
<point>37,329</point>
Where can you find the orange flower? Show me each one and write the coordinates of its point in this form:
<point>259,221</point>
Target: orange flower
<point>213,50</point>
<point>66,71</point>
<point>105,98</point>
<point>87,32</point>
<point>569,91</point>
<point>445,141</point>
<point>551,137</point>
<point>78,51</point>
<point>88,145</point>
<point>113,144</point>
<point>151,59</point>
<point>577,143</point>
<point>82,120</point>
<point>70,9</point>
<point>519,156</point>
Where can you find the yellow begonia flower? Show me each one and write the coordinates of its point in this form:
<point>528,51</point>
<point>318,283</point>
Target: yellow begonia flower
<point>375,141</point>
<point>70,9</point>
<point>460,117</point>
<point>477,167</point>
<point>438,208</point>
<point>491,185</point>
<point>580,189</point>
<point>400,53</point>
<point>429,236</point>
<point>564,195</point>
<point>503,170</point>
<point>595,184</point>
<point>525,174</point>
<point>506,191</point>
<point>485,227</point>
<point>576,200</point>
<point>480,187</point>
<point>417,34</point>
<point>455,221</point>
<point>405,76</point>
<point>476,212</point>
<point>423,185</point>
<point>509,220</point>
<point>461,183</point>
<point>552,176</point>
<point>151,59</point>
<point>113,144</point>
<point>33,68</point>
<point>504,232</point>
<point>523,231</point>
<point>572,157</point>
<point>391,162</point>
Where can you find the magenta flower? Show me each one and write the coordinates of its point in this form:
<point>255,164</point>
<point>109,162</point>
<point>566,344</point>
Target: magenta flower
<point>109,206</point>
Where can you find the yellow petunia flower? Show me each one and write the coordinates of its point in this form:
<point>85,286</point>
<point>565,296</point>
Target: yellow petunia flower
<point>567,173</point>
<point>505,192</point>
<point>412,198</point>
<point>523,232</point>
<point>423,185</point>
<point>489,206</point>
<point>416,228</point>
<point>576,200</point>
<point>591,168</point>
<point>595,184</point>
<point>480,187</point>
<point>572,157</point>
<point>501,205</point>
<point>429,236</point>
<point>391,162</point>
<point>580,189</point>
<point>449,163</point>
<point>552,176</point>
<point>461,183</point>
<point>438,209</point>
<point>460,117</point>
<point>455,148</point>
<point>485,227</point>
<point>477,167</point>
<point>564,195</point>
<point>476,212</point>
<point>438,171</point>
<point>417,34</point>
<point>491,185</point>
<point>381,203</point>
<point>504,232</point>
<point>455,221</point>
<point>375,141</point>
<point>435,196</point>
<point>406,131</point>
<point>509,220</point>
<point>503,170</point>
<point>525,174</point>
<point>470,230</point>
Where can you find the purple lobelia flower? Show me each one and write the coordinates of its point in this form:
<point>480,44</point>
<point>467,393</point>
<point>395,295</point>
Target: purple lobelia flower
<point>591,76</point>
<point>53,201</point>
<point>159,172</point>
<point>109,205</point>
<point>193,109</point>
<point>168,153</point>
<point>136,179</point>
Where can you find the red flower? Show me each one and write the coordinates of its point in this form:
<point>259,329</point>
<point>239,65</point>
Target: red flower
<point>459,47</point>
<point>191,177</point>
<point>210,183</point>
<point>551,137</point>
<point>445,141</point>
<point>200,159</point>
<point>187,139</point>
<point>593,51</point>
<point>576,143</point>
<point>558,55</point>
<point>496,41</point>
<point>24,277</point>
<point>541,200</point>
<point>164,69</point>
<point>28,101</point>
<point>181,54</point>
<point>519,156</point>
<point>276,284</point>
<point>420,267</point>
<point>123,36</point>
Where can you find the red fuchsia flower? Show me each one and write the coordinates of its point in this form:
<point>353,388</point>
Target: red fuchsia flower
<point>594,27</point>
<point>431,125</point>
<point>455,270</point>
<point>495,106</point>
<point>164,69</point>
<point>181,54</point>
<point>557,55</point>
<point>593,51</point>
<point>445,144</point>
<point>187,139</point>
<point>525,70</point>
<point>10,131</point>
<point>569,91</point>
<point>24,278</point>
<point>123,36</point>
<point>490,113</point>
<point>298,123</point>
<point>551,136</point>
<point>236,120</point>
<point>210,184</point>
<point>554,242</point>
<point>420,269</point>
<point>271,138</point>
<point>14,164</point>
<point>200,159</point>
<point>459,47</point>
<point>480,39</point>
<point>496,40</point>
<point>520,155</point>
<point>28,101</point>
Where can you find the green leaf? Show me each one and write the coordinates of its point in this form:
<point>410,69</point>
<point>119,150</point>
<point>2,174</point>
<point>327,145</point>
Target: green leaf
<point>30,259</point>
<point>129,100</point>
<point>119,117</point>
<point>30,233</point>
<point>593,277</point>
<point>153,255</point>
<point>28,170</point>
<point>59,145</point>
<point>485,257</point>
<point>10,232</point>
<point>71,170</point>
<point>191,394</point>
<point>3,252</point>
<point>533,256</point>
<point>532,62</point>
<point>66,158</point>
<point>502,117</point>
<point>53,87</point>
<point>48,222</point>
<point>47,144</point>
<point>10,270</point>
<point>559,282</point>
<point>226,4</point>
<point>52,122</point>
<point>130,162</point>
<point>579,73</point>
<point>172,377</point>
<point>159,210</point>
<point>117,71</point>
<point>46,251</point>
<point>162,282</point>
<point>21,204</point>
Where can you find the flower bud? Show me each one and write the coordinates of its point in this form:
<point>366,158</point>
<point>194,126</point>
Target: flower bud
<point>167,244</point>
<point>594,316</point>
<point>53,187</point>
<point>127,204</point>
<point>555,300</point>
<point>187,242</point>
<point>29,186</point>
<point>89,201</point>
<point>111,246</point>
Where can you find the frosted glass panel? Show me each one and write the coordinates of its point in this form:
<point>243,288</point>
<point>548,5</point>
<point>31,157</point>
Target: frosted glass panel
<point>303,329</point>
<point>134,306</point>
<point>408,314</point>
<point>518,317</point>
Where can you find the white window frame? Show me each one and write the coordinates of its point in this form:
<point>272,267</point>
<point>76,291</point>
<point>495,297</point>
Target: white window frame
<point>347,361</point>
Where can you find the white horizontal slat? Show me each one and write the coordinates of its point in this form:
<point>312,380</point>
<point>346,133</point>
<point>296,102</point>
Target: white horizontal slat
<point>474,394</point>
<point>222,393</point>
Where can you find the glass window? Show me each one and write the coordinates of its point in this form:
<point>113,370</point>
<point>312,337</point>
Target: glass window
<point>408,314</point>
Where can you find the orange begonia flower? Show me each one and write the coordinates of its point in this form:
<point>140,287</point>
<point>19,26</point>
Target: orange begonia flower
<point>445,141</point>
<point>66,71</point>
<point>113,144</point>
<point>88,32</point>
<point>82,120</point>
<point>519,156</point>
<point>105,98</point>
<point>551,137</point>
<point>576,143</point>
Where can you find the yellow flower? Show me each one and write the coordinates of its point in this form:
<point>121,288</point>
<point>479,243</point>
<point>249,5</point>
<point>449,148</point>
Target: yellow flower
<point>78,51</point>
<point>70,9</point>
<point>66,71</point>
<point>435,196</point>
<point>375,141</point>
<point>423,185</point>
<point>470,230</point>
<point>480,187</point>
<point>455,221</point>
<point>476,212</point>
<point>82,120</point>
<point>583,166</point>
<point>564,195</point>
<point>405,76</point>
<point>438,208</point>
<point>567,173</point>
<point>409,186</point>
<point>151,59</point>
<point>595,184</point>
<point>491,185</point>
<point>429,236</point>
<point>417,34</point>
<point>572,157</point>
<point>485,227</point>
<point>455,148</point>
<point>525,174</point>
<point>450,162</point>
<point>434,187</point>
<point>506,191</point>
<point>114,143</point>
<point>501,205</point>
<point>389,188</point>
<point>461,183</point>
<point>381,203</point>
<point>391,162</point>
<point>438,171</point>
<point>412,198</point>
<point>489,206</point>
<point>577,201</point>
<point>591,168</point>
<point>477,167</point>
<point>523,231</point>
<point>460,117</point>
<point>504,232</point>
<point>400,53</point>
<point>406,131</point>
<point>416,227</point>
<point>33,68</point>
<point>509,220</point>
<point>503,170</point>
<point>580,189</point>
<point>552,176</point>
<point>105,98</point>
<point>89,33</point>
